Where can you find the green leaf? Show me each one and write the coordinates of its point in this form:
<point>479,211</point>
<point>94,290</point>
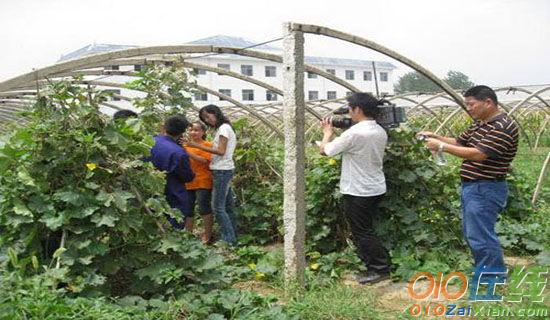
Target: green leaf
<point>25,177</point>
<point>85,260</point>
<point>59,252</point>
<point>53,221</point>
<point>69,197</point>
<point>106,219</point>
<point>105,198</point>
<point>120,200</point>
<point>21,209</point>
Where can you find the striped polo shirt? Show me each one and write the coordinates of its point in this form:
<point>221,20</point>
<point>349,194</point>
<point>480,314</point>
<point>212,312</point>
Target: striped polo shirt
<point>498,139</point>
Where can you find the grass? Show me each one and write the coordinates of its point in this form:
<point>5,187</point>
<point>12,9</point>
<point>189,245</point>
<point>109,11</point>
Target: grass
<point>338,301</point>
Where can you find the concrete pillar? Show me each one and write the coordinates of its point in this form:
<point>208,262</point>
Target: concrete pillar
<point>294,166</point>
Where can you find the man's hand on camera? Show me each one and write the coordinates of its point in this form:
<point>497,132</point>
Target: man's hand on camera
<point>326,125</point>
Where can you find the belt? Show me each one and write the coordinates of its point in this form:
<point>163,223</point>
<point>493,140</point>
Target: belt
<point>499,179</point>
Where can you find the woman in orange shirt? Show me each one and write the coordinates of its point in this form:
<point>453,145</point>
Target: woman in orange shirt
<point>200,189</point>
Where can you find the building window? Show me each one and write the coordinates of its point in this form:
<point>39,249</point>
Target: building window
<point>367,75</point>
<point>313,95</point>
<point>111,94</point>
<point>270,96</point>
<point>350,75</point>
<point>270,71</point>
<point>311,75</point>
<point>331,95</point>
<point>331,71</point>
<point>201,96</point>
<point>111,68</point>
<point>224,66</point>
<point>247,70</point>
<point>226,92</point>
<point>199,71</point>
<point>248,95</point>
<point>383,76</point>
<point>138,67</point>
<point>348,93</point>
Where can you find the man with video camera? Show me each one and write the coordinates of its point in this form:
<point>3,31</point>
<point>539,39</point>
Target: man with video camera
<point>362,181</point>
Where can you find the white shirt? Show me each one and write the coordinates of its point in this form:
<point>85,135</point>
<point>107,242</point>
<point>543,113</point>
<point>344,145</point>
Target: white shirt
<point>224,162</point>
<point>362,147</point>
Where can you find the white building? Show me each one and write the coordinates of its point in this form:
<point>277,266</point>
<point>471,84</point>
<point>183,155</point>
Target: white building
<point>360,73</point>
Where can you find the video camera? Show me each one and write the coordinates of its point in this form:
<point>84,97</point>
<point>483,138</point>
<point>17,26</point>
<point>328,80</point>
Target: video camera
<point>389,116</point>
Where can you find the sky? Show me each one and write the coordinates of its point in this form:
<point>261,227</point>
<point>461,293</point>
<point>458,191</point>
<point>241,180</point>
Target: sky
<point>494,42</point>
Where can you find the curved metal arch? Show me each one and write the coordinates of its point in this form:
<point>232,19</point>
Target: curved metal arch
<point>313,29</point>
<point>532,108</point>
<point>531,96</point>
<point>542,128</point>
<point>417,104</point>
<point>97,58</point>
<point>277,58</point>
<point>9,94</point>
<point>454,113</point>
<point>104,58</point>
<point>12,108</point>
<point>522,90</point>
<point>129,73</point>
<point>542,174</point>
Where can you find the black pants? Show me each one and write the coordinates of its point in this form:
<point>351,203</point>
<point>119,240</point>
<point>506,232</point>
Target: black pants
<point>360,212</point>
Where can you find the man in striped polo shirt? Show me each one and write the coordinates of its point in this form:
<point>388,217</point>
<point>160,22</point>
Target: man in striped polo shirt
<point>488,147</point>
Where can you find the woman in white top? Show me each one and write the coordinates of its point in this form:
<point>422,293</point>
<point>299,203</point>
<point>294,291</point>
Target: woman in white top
<point>222,167</point>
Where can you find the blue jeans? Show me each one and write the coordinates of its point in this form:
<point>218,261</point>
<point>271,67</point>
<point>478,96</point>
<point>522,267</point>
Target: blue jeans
<point>482,201</point>
<point>223,204</point>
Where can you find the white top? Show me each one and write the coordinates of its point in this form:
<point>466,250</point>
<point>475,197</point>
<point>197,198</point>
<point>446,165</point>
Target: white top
<point>362,147</point>
<point>224,162</point>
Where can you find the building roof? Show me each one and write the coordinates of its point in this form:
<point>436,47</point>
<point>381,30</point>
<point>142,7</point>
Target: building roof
<point>93,49</point>
<point>235,42</point>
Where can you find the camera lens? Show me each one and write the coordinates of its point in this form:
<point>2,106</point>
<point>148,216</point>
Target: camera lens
<point>342,123</point>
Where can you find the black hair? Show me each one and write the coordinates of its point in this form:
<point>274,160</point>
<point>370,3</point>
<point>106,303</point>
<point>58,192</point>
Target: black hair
<point>124,114</point>
<point>176,125</point>
<point>481,93</point>
<point>203,128</point>
<point>216,111</point>
<point>366,101</point>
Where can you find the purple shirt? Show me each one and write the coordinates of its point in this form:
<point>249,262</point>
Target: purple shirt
<point>168,156</point>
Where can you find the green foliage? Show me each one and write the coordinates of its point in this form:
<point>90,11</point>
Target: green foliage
<point>258,184</point>
<point>40,297</point>
<point>74,180</point>
<point>458,80</point>
<point>168,91</point>
<point>414,81</point>
<point>232,304</point>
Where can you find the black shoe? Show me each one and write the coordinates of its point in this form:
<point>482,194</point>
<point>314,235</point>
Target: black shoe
<point>372,278</point>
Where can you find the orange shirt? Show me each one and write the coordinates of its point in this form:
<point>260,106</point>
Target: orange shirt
<point>203,175</point>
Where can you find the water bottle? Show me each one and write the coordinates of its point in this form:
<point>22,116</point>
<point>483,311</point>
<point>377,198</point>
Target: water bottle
<point>437,155</point>
<point>439,158</point>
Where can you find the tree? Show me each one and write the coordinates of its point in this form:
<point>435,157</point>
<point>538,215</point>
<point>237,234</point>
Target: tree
<point>414,81</point>
<point>458,80</point>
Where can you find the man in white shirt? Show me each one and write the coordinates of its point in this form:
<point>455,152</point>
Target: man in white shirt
<point>362,181</point>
